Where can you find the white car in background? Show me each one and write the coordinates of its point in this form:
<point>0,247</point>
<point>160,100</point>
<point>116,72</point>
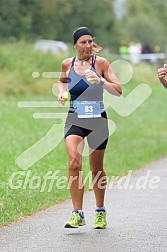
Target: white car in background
<point>57,47</point>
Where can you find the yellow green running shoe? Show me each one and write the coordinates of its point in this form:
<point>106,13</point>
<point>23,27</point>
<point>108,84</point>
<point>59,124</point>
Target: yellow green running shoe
<point>100,221</point>
<point>75,220</point>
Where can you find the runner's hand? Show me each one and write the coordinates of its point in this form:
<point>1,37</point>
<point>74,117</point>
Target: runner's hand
<point>61,99</point>
<point>162,72</point>
<point>92,77</point>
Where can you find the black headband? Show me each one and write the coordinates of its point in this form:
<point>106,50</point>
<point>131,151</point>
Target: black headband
<point>80,32</point>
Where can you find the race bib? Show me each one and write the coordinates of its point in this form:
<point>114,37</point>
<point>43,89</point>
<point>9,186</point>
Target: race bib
<point>88,109</point>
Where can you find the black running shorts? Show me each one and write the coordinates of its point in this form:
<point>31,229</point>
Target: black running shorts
<point>95,129</point>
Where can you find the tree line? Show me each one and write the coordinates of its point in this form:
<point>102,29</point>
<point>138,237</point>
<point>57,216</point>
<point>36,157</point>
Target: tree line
<point>55,19</point>
<point>143,21</point>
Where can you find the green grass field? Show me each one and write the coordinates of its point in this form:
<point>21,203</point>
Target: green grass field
<point>139,139</point>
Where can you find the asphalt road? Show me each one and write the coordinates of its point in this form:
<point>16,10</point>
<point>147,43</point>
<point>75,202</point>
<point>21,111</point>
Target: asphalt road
<point>136,215</point>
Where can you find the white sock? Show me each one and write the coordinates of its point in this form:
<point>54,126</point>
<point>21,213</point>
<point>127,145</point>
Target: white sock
<point>100,209</point>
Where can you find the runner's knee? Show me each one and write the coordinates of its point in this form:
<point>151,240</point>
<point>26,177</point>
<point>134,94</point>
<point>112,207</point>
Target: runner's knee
<point>74,164</point>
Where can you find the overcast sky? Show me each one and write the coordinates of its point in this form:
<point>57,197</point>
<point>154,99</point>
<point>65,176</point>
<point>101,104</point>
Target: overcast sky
<point>118,7</point>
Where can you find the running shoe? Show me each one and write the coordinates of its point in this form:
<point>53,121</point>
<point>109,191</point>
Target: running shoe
<point>100,221</point>
<point>75,220</point>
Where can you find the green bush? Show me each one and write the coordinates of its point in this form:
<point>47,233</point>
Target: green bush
<point>19,61</point>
